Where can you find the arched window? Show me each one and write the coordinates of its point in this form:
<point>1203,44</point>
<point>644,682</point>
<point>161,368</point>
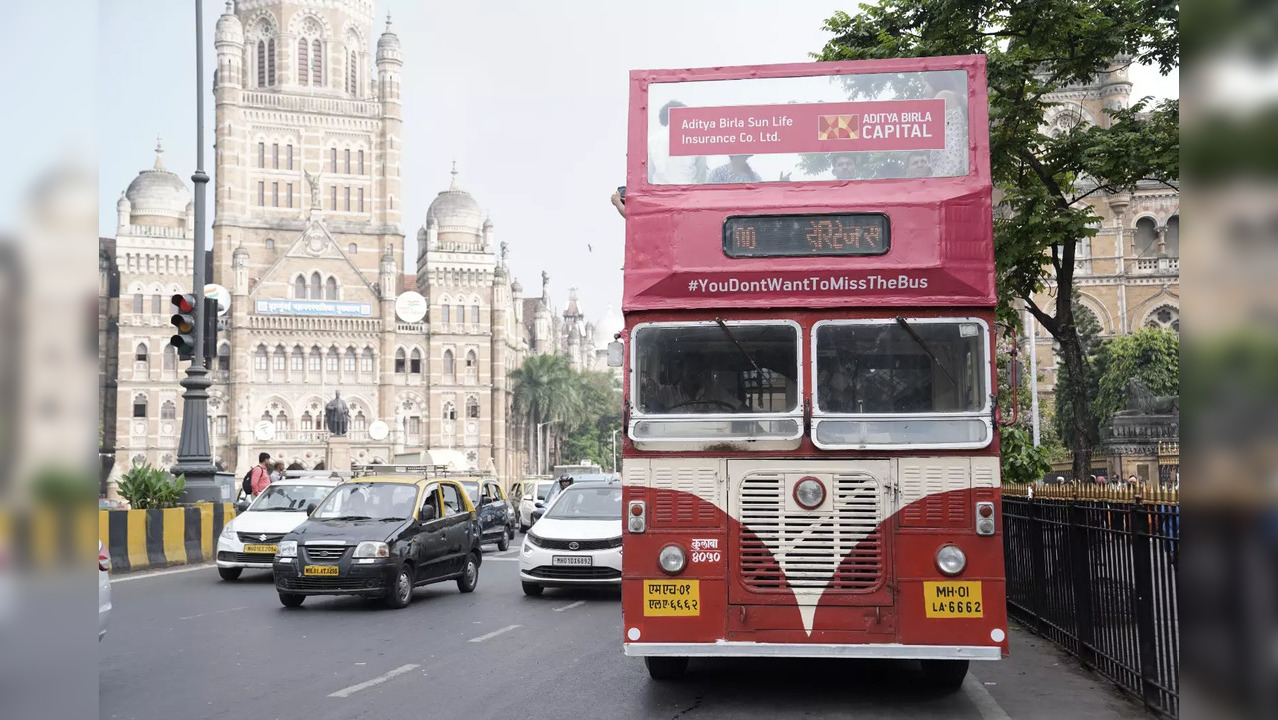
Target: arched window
<point>331,361</point>
<point>350,74</point>
<point>401,361</point>
<point>359,423</point>
<point>260,358</point>
<point>168,410</point>
<point>349,360</point>
<point>139,406</point>
<point>1165,317</point>
<point>299,288</point>
<point>317,287</point>
<point>449,365</point>
<point>297,362</point>
<point>270,244</point>
<point>1146,237</point>
<point>303,62</point>
<point>308,422</point>
<point>279,360</point>
<point>361,162</point>
<point>472,407</point>
<point>316,358</point>
<point>330,288</point>
<point>450,412</point>
<point>352,248</point>
<point>170,358</point>
<point>140,355</point>
<point>261,63</point>
<point>474,314</point>
<point>415,362</point>
<point>270,62</point>
<point>224,358</point>
<point>1172,239</point>
<point>444,314</point>
<point>281,424</point>
<point>366,360</point>
<point>472,366</point>
<point>317,62</point>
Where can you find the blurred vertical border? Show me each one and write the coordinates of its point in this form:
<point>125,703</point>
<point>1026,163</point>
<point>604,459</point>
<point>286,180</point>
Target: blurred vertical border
<point>1229,130</point>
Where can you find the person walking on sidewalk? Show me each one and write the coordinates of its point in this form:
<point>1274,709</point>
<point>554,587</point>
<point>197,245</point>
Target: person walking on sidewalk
<point>261,473</point>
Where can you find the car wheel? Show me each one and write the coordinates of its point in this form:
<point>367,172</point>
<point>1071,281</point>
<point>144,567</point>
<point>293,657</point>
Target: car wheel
<point>470,574</point>
<point>533,589</point>
<point>666,668</point>
<point>230,573</point>
<point>504,543</point>
<point>945,676</point>
<point>400,594</point>
<point>289,600</point>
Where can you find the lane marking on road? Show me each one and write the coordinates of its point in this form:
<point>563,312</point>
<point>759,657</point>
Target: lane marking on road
<point>501,559</point>
<point>495,633</point>
<point>985,703</point>
<point>215,612</point>
<point>159,573</point>
<point>507,554</point>
<point>347,692</point>
<point>570,606</point>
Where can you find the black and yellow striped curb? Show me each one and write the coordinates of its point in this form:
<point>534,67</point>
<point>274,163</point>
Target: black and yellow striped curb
<point>142,539</point>
<point>42,539</point>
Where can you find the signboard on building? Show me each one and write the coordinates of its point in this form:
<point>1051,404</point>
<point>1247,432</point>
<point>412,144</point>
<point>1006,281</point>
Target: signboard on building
<point>313,308</point>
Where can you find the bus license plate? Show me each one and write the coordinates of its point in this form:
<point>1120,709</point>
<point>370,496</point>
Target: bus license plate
<point>671,597</point>
<point>260,549</point>
<point>953,599</point>
<point>319,570</point>
<point>574,560</point>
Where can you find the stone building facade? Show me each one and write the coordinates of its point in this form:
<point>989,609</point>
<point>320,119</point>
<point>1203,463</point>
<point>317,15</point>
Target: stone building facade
<point>1128,274</point>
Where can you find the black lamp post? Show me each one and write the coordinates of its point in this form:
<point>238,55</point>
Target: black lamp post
<point>195,456</point>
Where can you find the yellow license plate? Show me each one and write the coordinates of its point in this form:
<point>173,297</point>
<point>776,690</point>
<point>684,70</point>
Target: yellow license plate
<point>953,599</point>
<point>260,549</point>
<point>671,597</point>
<point>319,570</point>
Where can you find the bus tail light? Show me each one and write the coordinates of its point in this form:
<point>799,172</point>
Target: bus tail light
<point>637,521</point>
<point>984,518</point>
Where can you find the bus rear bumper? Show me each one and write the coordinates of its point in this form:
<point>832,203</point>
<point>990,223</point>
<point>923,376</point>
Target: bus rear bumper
<point>883,651</point>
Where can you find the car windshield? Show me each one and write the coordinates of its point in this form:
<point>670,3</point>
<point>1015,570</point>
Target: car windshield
<point>290,497</point>
<point>588,503</point>
<point>369,501</point>
<point>472,489</point>
<point>543,490</point>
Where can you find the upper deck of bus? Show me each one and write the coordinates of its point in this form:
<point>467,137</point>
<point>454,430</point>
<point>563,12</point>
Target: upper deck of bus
<point>869,237</point>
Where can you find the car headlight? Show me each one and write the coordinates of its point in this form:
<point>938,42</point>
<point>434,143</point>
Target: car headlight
<point>533,540</point>
<point>286,548</point>
<point>227,532</point>
<point>809,493</point>
<point>370,549</point>
<point>672,559</point>
<point>950,560</point>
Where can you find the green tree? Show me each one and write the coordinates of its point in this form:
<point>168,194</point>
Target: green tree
<point>1033,49</point>
<point>1151,356</point>
<point>544,390</point>
<point>590,436</point>
<point>1068,384</point>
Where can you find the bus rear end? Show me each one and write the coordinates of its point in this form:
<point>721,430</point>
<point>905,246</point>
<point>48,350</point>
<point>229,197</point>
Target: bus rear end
<point>810,458</point>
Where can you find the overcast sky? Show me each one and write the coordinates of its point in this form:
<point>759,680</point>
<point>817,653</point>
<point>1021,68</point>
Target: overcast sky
<point>529,98</point>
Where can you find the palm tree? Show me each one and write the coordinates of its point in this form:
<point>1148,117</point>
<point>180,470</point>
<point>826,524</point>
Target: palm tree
<point>545,389</point>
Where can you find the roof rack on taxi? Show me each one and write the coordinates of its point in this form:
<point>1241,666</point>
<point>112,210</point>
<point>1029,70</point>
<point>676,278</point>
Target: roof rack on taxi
<point>367,470</point>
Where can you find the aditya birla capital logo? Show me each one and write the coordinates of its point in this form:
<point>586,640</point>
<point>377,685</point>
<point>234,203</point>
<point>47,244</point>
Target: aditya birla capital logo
<point>838,127</point>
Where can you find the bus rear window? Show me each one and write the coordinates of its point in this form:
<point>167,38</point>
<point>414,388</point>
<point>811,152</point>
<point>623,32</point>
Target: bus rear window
<point>885,367</point>
<point>741,368</point>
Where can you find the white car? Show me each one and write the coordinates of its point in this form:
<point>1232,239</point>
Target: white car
<point>577,542</point>
<point>104,589</point>
<point>249,540</point>
<point>534,491</point>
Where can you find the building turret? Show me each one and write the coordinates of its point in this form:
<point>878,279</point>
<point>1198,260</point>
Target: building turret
<point>390,62</point>
<point>228,40</point>
<point>123,208</point>
<point>239,266</point>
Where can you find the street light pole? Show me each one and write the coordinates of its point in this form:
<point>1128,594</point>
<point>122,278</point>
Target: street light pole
<point>194,456</point>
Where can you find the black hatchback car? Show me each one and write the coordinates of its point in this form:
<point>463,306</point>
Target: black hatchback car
<point>381,537</point>
<point>496,515</point>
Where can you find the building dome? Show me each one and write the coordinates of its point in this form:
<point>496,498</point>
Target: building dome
<point>158,194</point>
<point>454,210</point>
<point>229,29</point>
<point>388,44</point>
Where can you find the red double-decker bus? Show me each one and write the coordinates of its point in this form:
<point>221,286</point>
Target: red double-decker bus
<point>811,461</point>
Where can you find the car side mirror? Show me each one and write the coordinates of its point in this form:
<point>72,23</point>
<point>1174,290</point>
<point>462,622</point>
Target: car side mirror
<point>615,352</point>
<point>428,513</point>
<point>540,504</point>
<point>310,508</point>
<point>485,500</point>
<point>241,506</point>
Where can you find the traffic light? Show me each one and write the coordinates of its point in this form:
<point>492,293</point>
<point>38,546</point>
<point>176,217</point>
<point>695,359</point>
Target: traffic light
<point>210,331</point>
<point>184,320</point>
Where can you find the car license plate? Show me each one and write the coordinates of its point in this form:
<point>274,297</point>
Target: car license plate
<point>572,560</point>
<point>671,597</point>
<point>953,599</point>
<point>319,570</point>
<point>260,549</point>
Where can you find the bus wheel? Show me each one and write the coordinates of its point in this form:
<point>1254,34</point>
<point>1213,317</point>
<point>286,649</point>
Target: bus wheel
<point>944,675</point>
<point>666,668</point>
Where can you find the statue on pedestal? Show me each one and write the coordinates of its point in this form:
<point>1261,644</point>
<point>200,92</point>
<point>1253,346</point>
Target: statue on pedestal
<point>337,416</point>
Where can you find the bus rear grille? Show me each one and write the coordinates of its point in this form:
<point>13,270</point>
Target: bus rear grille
<point>840,550</point>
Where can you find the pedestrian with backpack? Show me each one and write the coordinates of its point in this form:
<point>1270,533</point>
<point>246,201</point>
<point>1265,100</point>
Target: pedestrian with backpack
<point>258,476</point>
